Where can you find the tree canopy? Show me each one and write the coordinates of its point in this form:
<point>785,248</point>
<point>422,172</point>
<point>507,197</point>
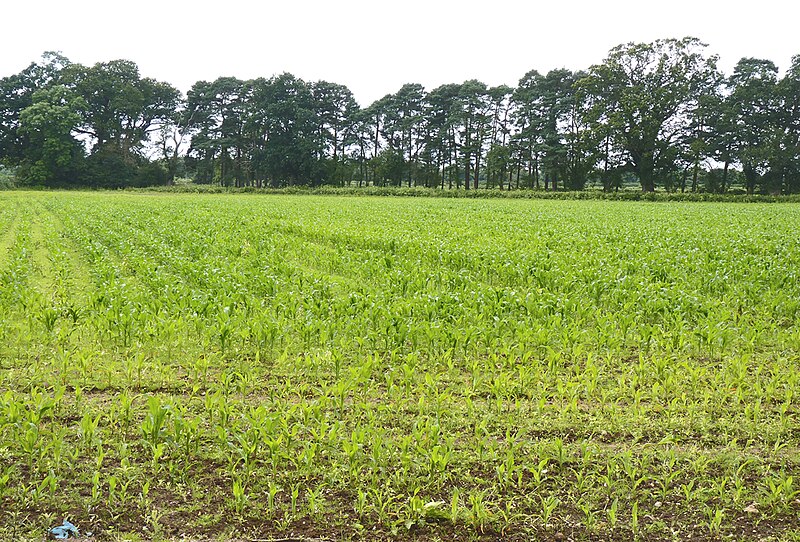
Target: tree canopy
<point>659,114</point>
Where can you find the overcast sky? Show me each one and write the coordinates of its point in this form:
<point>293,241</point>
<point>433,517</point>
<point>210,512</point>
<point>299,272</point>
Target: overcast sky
<point>374,47</point>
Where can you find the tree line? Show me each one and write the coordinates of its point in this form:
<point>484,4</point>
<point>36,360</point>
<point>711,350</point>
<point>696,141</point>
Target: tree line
<point>659,114</point>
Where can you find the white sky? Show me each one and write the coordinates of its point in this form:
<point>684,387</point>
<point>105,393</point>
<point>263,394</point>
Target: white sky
<point>374,47</point>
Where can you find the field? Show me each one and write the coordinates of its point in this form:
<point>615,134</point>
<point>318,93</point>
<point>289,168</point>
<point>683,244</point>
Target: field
<point>300,367</point>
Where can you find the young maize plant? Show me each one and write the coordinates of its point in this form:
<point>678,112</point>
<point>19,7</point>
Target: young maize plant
<point>426,369</point>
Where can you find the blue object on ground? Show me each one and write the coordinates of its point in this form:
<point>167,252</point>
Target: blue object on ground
<point>65,530</point>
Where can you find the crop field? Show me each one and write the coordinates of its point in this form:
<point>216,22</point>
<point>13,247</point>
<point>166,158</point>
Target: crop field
<point>245,367</point>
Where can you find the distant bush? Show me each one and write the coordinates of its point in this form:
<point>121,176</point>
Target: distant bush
<point>385,191</point>
<point>7,181</point>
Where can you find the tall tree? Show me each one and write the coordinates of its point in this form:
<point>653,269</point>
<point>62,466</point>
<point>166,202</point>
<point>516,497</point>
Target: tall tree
<point>721,136</point>
<point>122,108</point>
<point>360,153</point>
<point>293,140</point>
<point>443,118</point>
<point>498,157</point>
<point>336,110</point>
<point>216,113</point>
<point>529,120</point>
<point>582,142</point>
<point>16,94</point>
<point>121,111</point>
<point>52,154</point>
<point>172,140</point>
<point>650,92</point>
<point>789,125</point>
<point>753,108</point>
<point>475,115</point>
<point>404,127</point>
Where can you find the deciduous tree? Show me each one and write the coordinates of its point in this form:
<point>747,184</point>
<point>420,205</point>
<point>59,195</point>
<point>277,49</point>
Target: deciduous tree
<point>650,92</point>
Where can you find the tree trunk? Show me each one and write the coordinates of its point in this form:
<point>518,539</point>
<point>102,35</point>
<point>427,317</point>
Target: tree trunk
<point>465,177</point>
<point>750,178</point>
<point>647,178</point>
<point>606,172</point>
<point>725,176</point>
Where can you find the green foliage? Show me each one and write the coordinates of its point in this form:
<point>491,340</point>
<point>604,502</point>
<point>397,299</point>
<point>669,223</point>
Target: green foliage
<point>53,156</point>
<point>68,125</point>
<point>652,114</point>
<point>646,95</point>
